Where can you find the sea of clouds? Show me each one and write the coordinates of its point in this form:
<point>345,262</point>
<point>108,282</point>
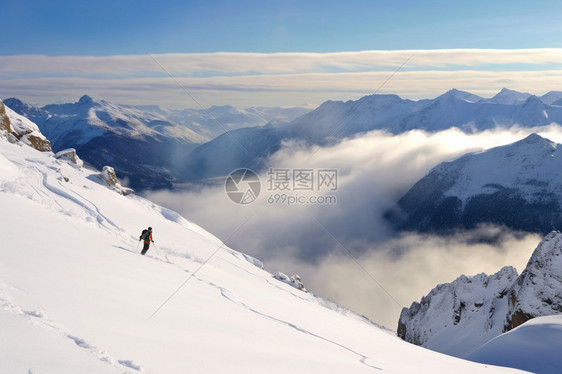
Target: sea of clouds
<point>345,250</point>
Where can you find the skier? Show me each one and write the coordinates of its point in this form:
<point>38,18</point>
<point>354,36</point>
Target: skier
<point>147,236</point>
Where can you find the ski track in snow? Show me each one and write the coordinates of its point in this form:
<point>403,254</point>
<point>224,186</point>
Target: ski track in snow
<point>50,182</point>
<point>80,200</point>
<point>227,294</point>
<point>39,319</point>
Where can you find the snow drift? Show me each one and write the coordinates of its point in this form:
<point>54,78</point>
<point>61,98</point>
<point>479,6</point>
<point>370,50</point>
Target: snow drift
<point>533,346</point>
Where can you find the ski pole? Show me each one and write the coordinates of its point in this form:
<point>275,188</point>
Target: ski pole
<point>157,252</point>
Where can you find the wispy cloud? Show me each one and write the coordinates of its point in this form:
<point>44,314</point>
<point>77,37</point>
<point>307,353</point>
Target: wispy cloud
<point>271,63</point>
<point>277,78</point>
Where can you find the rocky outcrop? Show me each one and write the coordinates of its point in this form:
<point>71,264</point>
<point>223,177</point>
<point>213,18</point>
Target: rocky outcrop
<point>69,155</point>
<point>19,128</point>
<point>38,142</point>
<point>5,126</point>
<point>458,317</point>
<point>4,120</point>
<point>538,290</point>
<point>294,281</point>
<point>110,178</point>
<point>442,318</point>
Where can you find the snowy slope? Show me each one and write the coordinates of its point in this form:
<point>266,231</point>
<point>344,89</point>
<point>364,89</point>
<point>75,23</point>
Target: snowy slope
<point>76,297</point>
<point>534,346</point>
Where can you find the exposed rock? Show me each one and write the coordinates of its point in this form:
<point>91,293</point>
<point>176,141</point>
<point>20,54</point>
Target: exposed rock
<point>538,290</point>
<point>4,119</point>
<point>294,281</point>
<point>443,317</point>
<point>39,143</point>
<point>69,155</point>
<point>110,178</point>
<point>22,129</point>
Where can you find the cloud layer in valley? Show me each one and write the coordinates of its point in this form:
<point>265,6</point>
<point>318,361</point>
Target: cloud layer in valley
<point>345,250</point>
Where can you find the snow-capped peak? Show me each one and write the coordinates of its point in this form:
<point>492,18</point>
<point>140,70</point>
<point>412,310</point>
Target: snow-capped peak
<point>533,101</point>
<point>85,100</point>
<point>459,95</point>
<point>538,141</point>
<point>509,97</point>
<point>551,97</point>
<point>92,117</point>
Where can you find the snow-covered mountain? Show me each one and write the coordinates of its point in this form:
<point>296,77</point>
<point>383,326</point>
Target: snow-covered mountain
<point>87,118</point>
<point>217,120</point>
<point>338,119</point>
<point>550,97</point>
<point>146,144</point>
<point>76,297</point>
<point>143,147</point>
<point>516,185</point>
<point>459,317</point>
<point>335,120</point>
<point>510,97</point>
<point>453,109</point>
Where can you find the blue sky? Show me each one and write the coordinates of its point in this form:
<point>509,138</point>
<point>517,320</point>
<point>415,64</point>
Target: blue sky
<point>280,52</point>
<point>139,27</point>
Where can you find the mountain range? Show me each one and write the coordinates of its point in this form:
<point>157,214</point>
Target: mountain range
<point>156,148</point>
<point>517,185</point>
<point>335,120</point>
<point>145,144</point>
